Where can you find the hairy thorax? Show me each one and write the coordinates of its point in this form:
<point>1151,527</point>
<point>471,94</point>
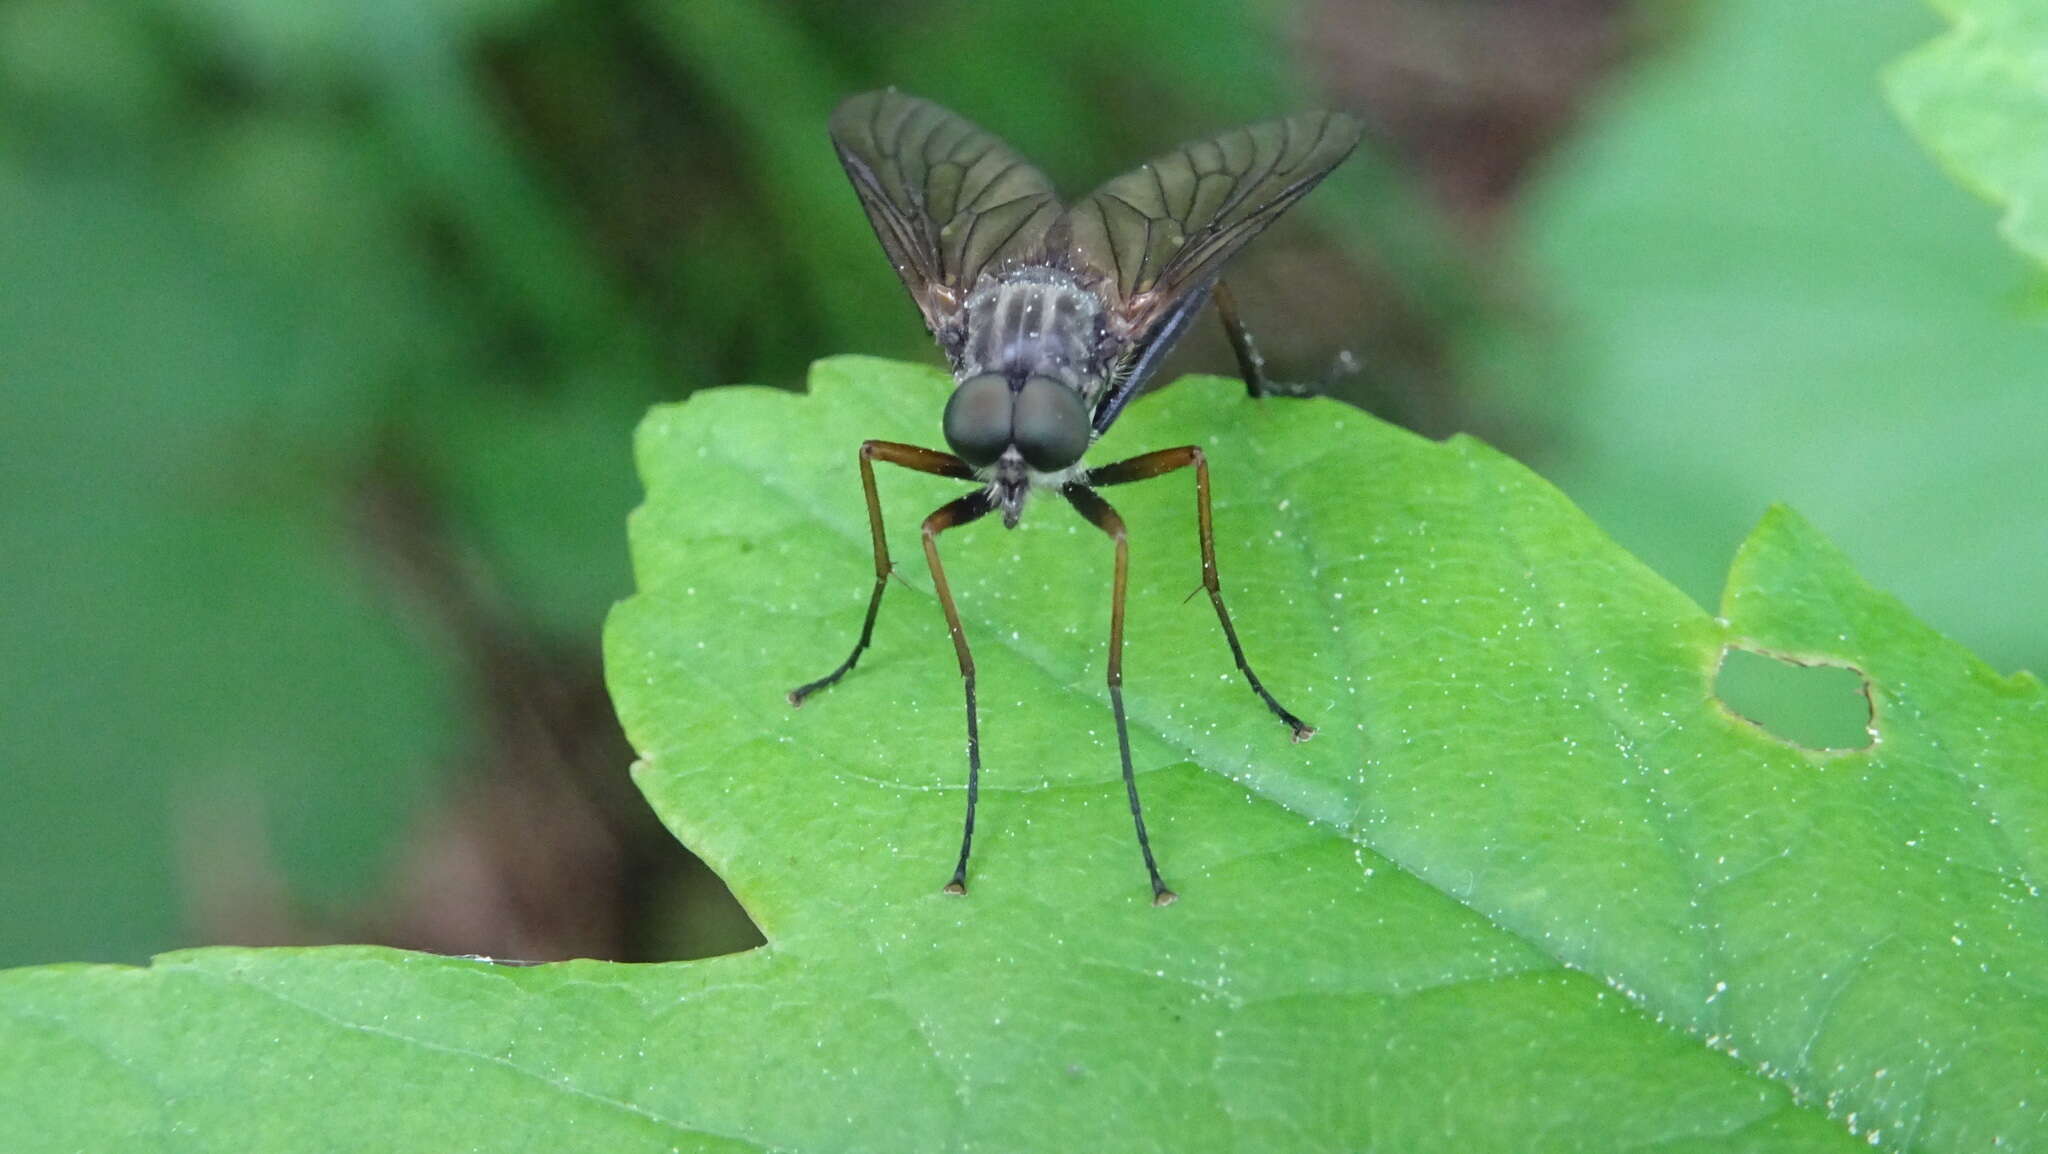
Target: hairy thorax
<point>1035,321</point>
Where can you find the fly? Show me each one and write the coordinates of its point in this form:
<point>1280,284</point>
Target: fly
<point>1053,317</point>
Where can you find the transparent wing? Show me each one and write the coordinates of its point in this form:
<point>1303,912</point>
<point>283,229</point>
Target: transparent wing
<point>947,199</point>
<point>1162,232</point>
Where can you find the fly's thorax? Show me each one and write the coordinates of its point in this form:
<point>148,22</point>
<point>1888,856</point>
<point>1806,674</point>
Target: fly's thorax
<point>1035,321</point>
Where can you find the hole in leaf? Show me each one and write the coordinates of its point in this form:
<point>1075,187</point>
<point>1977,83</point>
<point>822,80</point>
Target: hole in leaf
<point>1818,706</point>
<point>691,914</point>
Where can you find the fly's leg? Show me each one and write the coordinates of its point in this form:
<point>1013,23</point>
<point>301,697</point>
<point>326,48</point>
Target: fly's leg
<point>1099,513</point>
<point>1165,461</point>
<point>1250,364</point>
<point>909,457</point>
<point>954,513</point>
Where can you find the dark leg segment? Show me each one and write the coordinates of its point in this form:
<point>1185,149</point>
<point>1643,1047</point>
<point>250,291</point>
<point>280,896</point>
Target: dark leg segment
<point>1099,513</point>
<point>954,513</point>
<point>1164,461</point>
<point>1250,364</point>
<point>909,457</point>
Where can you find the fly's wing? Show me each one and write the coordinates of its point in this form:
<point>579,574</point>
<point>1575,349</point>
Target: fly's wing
<point>947,199</point>
<point>1158,236</point>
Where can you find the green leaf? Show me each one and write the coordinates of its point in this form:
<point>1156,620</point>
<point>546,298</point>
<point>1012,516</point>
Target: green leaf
<point>1756,289</point>
<point>1531,888</point>
<point>1978,98</point>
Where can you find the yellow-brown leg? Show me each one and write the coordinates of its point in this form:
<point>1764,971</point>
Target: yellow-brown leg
<point>1165,461</point>
<point>1102,516</point>
<point>908,457</point>
<point>950,515</point>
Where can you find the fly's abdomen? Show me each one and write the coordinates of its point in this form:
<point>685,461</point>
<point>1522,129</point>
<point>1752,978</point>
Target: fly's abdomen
<point>1033,322</point>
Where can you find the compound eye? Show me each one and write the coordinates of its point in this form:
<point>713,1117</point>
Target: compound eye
<point>1051,425</point>
<point>978,419</point>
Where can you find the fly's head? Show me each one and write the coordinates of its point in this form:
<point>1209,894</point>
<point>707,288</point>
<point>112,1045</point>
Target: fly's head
<point>1012,427</point>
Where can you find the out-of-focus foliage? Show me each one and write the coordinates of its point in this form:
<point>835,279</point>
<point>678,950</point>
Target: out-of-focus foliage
<point>1753,286</point>
<point>1978,97</point>
<point>187,665</point>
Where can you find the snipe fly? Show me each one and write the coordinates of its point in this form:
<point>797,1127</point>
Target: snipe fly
<point>1053,317</point>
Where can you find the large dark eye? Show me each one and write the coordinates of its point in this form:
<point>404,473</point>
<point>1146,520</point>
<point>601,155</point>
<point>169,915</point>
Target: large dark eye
<point>978,419</point>
<point>1051,426</point>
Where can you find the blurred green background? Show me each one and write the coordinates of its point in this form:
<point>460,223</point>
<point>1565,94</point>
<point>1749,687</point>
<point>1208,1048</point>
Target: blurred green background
<point>325,327</point>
